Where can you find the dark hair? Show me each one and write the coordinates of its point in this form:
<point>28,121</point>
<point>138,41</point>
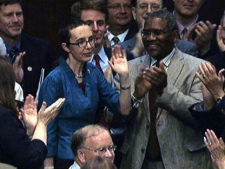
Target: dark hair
<point>99,162</point>
<point>79,137</point>
<point>7,83</point>
<point>64,30</point>
<point>75,11</point>
<point>98,5</point>
<point>7,2</point>
<point>163,13</point>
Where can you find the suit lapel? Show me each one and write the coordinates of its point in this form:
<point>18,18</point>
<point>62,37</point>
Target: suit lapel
<point>175,67</point>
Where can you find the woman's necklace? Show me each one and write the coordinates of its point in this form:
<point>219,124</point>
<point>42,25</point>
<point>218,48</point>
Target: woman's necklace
<point>79,76</point>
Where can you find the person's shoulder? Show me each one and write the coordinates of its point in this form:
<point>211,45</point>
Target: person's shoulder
<point>29,39</point>
<point>5,112</point>
<point>188,58</point>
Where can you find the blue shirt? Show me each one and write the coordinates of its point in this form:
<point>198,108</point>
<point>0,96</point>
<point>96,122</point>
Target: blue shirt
<point>79,109</point>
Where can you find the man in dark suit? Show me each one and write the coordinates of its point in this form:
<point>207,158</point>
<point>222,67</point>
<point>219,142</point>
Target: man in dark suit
<point>194,28</point>
<point>120,21</point>
<point>210,113</point>
<point>38,53</point>
<point>140,10</point>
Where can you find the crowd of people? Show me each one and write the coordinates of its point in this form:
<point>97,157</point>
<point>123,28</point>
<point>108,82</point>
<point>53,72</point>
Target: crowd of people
<point>137,87</point>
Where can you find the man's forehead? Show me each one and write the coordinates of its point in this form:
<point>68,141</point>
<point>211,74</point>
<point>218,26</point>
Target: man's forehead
<point>10,7</point>
<point>156,21</point>
<point>149,1</point>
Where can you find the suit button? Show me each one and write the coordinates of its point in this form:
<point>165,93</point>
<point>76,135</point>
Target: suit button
<point>29,68</point>
<point>147,126</point>
<point>142,150</point>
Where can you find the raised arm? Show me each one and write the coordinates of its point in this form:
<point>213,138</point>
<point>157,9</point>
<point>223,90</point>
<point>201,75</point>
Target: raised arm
<point>119,65</point>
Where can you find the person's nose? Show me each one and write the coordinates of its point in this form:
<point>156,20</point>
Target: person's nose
<point>88,46</point>
<point>109,154</point>
<point>15,18</point>
<point>149,9</point>
<point>95,27</point>
<point>122,9</point>
<point>151,36</point>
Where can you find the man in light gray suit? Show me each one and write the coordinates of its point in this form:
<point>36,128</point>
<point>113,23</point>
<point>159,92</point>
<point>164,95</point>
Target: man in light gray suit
<point>163,134</point>
<point>140,10</point>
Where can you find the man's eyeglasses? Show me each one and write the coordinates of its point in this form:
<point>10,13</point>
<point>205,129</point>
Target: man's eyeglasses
<point>144,7</point>
<point>103,150</point>
<point>118,7</point>
<point>82,42</point>
<point>155,33</point>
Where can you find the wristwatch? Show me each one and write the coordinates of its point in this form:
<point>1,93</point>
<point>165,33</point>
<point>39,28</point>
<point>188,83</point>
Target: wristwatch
<point>219,99</point>
<point>136,103</point>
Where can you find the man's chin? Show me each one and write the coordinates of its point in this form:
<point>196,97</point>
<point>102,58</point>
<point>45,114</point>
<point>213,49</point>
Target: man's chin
<point>15,35</point>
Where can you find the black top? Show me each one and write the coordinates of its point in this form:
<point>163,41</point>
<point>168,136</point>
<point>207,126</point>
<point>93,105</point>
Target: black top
<point>16,148</point>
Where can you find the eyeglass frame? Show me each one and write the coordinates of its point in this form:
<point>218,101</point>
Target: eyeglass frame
<point>101,151</point>
<point>88,41</point>
<point>153,32</point>
<point>117,7</point>
<point>146,7</point>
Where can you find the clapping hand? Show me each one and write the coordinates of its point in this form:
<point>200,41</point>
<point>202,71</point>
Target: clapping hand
<point>46,114</point>
<point>216,148</point>
<point>28,114</point>
<point>157,76</point>
<point>212,81</point>
<point>204,33</point>
<point>220,40</point>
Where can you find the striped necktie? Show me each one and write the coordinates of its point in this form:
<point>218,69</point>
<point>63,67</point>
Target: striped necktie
<point>116,40</point>
<point>13,53</point>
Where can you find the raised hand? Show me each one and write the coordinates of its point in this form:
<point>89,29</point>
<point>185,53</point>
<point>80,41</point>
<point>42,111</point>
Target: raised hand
<point>29,114</point>
<point>118,61</point>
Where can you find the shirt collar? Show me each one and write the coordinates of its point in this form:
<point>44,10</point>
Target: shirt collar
<point>74,166</point>
<point>102,55</point>
<point>166,60</point>
<point>120,36</point>
<point>9,47</point>
<point>188,27</point>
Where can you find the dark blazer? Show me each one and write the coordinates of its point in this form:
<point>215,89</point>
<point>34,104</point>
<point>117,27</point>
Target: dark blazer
<point>133,29</point>
<point>39,54</point>
<point>218,60</point>
<point>213,119</point>
<point>16,148</point>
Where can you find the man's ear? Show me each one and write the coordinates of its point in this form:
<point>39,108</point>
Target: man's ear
<point>176,35</point>
<point>65,47</point>
<point>81,156</point>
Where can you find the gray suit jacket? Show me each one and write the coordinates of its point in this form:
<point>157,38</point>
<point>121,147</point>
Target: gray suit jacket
<point>184,46</point>
<point>180,138</point>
